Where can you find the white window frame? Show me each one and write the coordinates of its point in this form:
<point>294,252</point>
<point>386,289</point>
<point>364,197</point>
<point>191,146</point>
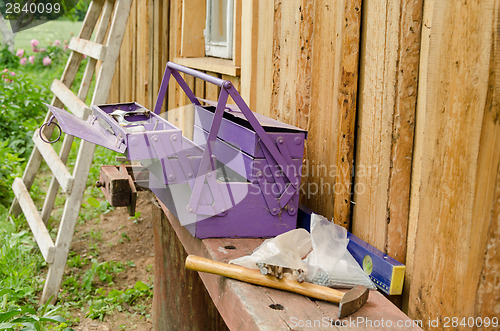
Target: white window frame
<point>222,49</point>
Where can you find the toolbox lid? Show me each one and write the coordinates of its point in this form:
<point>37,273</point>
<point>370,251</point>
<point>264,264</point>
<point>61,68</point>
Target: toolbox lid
<point>89,130</point>
<point>233,113</point>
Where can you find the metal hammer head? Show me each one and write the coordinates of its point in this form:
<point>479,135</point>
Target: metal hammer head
<point>353,300</point>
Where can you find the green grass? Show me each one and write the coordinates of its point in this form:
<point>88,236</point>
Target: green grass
<point>22,268</point>
<point>47,33</point>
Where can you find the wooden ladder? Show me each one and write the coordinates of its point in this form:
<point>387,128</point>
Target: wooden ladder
<point>109,19</point>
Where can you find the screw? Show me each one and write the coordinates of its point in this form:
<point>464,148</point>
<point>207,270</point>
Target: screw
<point>171,177</point>
<point>190,175</point>
<point>291,209</point>
<point>190,210</point>
<point>174,137</point>
<point>99,184</point>
<point>298,140</point>
<point>280,140</point>
<point>155,139</point>
<point>275,210</point>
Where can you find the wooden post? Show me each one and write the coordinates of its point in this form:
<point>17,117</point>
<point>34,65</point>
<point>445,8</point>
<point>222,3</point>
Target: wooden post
<point>180,300</point>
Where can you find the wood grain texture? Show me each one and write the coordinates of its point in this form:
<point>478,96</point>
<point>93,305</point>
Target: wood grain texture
<point>387,104</point>
<point>459,165</point>
<point>488,293</point>
<point>335,49</point>
<point>193,23</point>
<point>180,301</point>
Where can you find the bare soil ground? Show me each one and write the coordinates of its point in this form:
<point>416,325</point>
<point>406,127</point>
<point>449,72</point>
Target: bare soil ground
<point>123,239</point>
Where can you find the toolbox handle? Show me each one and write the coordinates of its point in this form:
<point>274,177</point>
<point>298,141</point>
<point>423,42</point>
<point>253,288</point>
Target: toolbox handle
<point>197,74</point>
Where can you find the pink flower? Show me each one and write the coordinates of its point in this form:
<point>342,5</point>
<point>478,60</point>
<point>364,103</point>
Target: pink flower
<point>43,50</point>
<point>12,73</point>
<point>20,52</point>
<point>34,43</point>
<point>57,42</point>
<point>5,70</point>
<point>84,56</point>
<point>23,61</point>
<point>31,59</point>
<point>66,46</point>
<point>46,61</point>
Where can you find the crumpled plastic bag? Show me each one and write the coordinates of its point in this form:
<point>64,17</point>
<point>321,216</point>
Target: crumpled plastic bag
<point>286,250</point>
<point>330,263</point>
<point>321,256</point>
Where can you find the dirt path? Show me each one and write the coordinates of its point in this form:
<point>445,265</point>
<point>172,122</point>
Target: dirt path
<point>120,239</point>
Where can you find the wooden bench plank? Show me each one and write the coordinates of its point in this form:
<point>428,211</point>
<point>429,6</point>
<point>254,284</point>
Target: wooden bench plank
<point>87,47</point>
<point>248,307</point>
<point>35,222</point>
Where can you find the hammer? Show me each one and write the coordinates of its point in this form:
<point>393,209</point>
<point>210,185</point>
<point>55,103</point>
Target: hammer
<point>349,302</point>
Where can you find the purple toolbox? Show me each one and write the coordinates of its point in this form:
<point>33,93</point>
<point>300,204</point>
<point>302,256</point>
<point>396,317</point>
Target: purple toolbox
<point>238,177</point>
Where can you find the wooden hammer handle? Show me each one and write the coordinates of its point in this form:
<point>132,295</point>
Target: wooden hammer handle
<point>255,277</point>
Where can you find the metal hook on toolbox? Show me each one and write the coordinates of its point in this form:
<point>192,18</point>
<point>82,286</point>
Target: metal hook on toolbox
<point>47,124</point>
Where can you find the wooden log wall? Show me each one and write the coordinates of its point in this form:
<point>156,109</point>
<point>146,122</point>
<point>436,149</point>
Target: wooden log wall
<point>422,134</point>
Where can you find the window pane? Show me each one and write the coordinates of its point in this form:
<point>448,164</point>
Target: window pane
<point>219,28</point>
<point>218,24</point>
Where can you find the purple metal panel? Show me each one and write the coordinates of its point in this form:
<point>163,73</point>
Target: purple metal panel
<point>245,138</point>
<point>227,154</point>
<point>89,130</point>
<point>250,218</point>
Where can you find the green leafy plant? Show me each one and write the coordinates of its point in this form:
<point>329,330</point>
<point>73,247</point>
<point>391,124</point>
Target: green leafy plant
<point>28,318</point>
<point>118,300</point>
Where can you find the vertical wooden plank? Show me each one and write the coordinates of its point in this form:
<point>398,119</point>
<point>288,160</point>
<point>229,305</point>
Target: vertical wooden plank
<point>264,69</point>
<point>459,165</point>
<point>488,292</point>
<point>387,101</point>
<point>199,88</point>
<point>346,101</point>
<point>193,23</point>
<point>249,44</point>
<point>174,96</point>
<point>161,44</point>
<point>334,63</point>
<point>125,68</point>
<point>403,128</point>
<point>114,92</point>
<point>237,33</point>
<point>143,61</point>
<point>211,90</point>
<point>188,112</point>
<point>418,147</point>
<point>236,83</point>
<point>133,41</point>
<point>151,92</point>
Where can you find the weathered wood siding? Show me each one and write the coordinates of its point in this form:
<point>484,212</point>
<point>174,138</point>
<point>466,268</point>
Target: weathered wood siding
<point>422,133</point>
<point>454,260</point>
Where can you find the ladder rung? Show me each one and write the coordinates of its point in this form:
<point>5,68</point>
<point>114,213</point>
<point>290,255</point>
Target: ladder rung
<point>35,222</point>
<point>55,164</point>
<point>69,99</point>
<point>87,47</point>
